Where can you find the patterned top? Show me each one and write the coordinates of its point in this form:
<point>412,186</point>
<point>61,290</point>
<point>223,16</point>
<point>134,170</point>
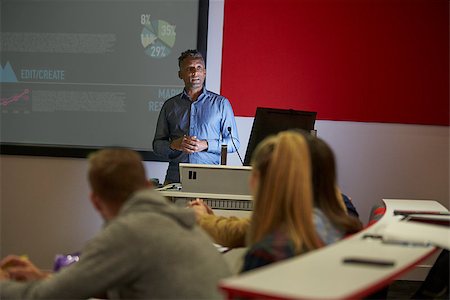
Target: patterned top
<point>277,245</point>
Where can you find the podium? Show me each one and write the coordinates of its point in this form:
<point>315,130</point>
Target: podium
<point>219,186</point>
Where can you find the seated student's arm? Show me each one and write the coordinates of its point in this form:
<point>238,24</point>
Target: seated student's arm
<point>21,269</point>
<point>226,231</point>
<point>101,266</point>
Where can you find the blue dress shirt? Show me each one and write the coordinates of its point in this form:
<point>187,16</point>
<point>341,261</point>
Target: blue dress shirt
<point>207,118</point>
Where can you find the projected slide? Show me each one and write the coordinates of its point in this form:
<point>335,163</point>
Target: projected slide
<point>90,73</point>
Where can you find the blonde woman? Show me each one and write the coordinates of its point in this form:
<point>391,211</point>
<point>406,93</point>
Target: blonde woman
<point>281,181</point>
<point>282,223</point>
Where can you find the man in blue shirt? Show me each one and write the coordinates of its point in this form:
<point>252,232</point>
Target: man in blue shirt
<point>193,125</point>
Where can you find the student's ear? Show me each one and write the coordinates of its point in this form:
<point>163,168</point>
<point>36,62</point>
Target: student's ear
<point>149,184</point>
<point>101,207</point>
<point>179,75</point>
<point>95,201</point>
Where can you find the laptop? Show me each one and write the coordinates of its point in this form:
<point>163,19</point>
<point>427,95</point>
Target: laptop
<point>215,179</point>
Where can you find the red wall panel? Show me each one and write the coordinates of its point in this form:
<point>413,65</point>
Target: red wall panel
<point>354,60</point>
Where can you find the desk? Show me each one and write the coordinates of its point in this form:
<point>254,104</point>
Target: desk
<point>321,274</point>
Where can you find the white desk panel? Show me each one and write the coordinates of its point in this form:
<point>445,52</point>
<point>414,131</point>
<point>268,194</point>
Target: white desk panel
<point>322,274</point>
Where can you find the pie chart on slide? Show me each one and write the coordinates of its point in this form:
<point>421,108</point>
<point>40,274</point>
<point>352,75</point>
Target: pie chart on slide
<point>158,38</point>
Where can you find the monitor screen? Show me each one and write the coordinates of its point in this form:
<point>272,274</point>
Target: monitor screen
<point>270,121</point>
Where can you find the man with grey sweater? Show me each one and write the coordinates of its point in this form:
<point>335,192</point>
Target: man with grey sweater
<point>148,248</point>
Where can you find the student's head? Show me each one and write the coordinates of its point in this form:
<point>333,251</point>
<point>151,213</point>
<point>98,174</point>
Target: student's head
<point>282,187</point>
<point>323,172</point>
<point>114,175</point>
<point>192,69</point>
<point>327,195</point>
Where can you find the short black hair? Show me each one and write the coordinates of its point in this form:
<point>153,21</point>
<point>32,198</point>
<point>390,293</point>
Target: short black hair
<point>190,53</point>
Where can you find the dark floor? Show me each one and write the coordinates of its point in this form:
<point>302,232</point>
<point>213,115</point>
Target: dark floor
<point>403,289</point>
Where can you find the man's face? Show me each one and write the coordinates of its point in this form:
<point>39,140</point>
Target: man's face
<point>193,73</point>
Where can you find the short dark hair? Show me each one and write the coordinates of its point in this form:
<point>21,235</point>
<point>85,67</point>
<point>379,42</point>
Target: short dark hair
<point>116,173</point>
<point>190,53</point>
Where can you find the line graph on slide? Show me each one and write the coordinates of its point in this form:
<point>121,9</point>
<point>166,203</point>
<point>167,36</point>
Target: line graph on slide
<point>16,101</point>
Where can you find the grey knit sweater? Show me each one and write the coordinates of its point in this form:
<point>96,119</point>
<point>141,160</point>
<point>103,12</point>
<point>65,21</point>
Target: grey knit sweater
<point>151,250</point>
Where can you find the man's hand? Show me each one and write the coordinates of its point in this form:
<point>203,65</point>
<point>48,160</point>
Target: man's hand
<point>20,269</point>
<point>189,144</point>
<point>176,144</point>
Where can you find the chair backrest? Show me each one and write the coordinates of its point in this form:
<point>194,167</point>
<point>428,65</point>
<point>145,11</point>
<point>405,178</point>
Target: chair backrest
<point>377,211</point>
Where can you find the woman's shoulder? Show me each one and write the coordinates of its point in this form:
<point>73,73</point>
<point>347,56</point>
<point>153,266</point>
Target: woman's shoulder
<point>273,247</point>
<point>327,232</point>
<point>276,245</point>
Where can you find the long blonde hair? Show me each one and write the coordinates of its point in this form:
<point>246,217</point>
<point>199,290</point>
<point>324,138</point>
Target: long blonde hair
<point>284,195</point>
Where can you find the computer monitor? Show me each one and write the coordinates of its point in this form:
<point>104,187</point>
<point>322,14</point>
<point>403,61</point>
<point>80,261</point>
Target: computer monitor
<point>270,121</point>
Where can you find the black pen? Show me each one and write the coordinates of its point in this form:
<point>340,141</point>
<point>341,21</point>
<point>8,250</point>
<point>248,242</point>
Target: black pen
<point>418,212</point>
<point>369,261</point>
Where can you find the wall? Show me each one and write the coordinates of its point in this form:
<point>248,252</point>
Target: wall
<point>44,201</point>
<point>349,60</point>
<point>378,160</point>
<point>356,62</point>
